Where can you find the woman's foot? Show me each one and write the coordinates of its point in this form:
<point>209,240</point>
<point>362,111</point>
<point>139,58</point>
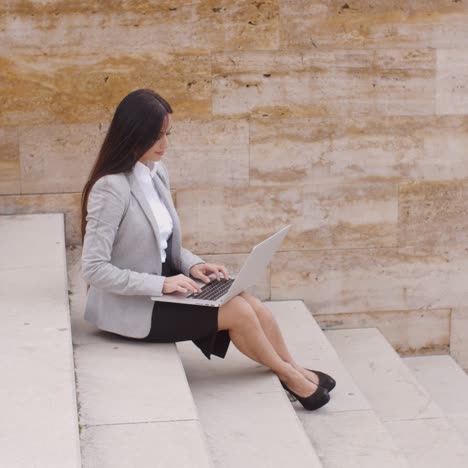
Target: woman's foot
<point>298,383</point>
<point>309,375</point>
<point>320,378</point>
<point>300,388</point>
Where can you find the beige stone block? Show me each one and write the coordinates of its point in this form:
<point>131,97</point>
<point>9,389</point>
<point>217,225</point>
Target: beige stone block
<point>235,219</point>
<point>45,88</point>
<point>140,25</point>
<point>67,203</point>
<point>434,216</point>
<point>452,80</point>
<point>343,281</point>
<point>345,215</point>
<point>9,161</point>
<point>444,148</point>
<point>451,31</point>
<point>209,153</point>
<point>334,149</point>
<point>408,331</point>
<point>234,262</point>
<point>332,82</point>
<point>404,81</point>
<point>458,336</point>
<point>58,158</point>
<point>302,150</point>
<point>395,23</point>
<point>292,150</point>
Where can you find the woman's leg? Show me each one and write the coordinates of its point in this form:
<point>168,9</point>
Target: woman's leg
<point>273,333</point>
<point>239,318</point>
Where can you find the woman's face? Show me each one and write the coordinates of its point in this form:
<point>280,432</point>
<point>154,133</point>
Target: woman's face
<point>156,152</point>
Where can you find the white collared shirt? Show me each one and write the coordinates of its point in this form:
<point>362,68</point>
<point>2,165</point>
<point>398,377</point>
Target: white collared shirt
<point>163,218</point>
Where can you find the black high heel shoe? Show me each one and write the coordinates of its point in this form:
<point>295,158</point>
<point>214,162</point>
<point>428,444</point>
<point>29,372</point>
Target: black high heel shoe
<point>325,380</point>
<point>315,401</point>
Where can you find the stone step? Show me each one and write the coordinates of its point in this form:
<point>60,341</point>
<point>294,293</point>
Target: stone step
<point>39,423</point>
<point>346,432</point>
<point>136,408</point>
<point>245,413</point>
<point>447,384</point>
<point>416,423</point>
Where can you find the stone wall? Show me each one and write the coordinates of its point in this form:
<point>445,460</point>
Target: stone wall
<point>348,119</point>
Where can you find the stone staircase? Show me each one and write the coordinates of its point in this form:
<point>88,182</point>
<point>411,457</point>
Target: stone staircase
<point>419,427</point>
<point>38,422</point>
<point>158,405</point>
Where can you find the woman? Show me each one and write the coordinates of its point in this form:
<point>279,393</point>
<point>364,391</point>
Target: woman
<point>132,250</point>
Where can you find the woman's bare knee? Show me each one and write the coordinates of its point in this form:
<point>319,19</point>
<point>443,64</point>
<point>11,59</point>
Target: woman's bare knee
<point>234,313</point>
<point>262,311</point>
<point>252,300</point>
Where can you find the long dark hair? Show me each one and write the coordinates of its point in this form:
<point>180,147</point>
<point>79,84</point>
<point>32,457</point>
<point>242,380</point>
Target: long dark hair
<point>135,128</point>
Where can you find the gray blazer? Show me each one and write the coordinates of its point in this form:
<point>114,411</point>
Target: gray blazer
<point>121,259</point>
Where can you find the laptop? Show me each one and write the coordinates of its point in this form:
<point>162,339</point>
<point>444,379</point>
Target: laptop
<point>217,293</point>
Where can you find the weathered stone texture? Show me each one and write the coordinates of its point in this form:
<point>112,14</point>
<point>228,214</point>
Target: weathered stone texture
<point>208,153</point>
<point>452,80</point>
<point>67,203</point>
<point>434,217</point>
<point>332,82</point>
<point>10,177</point>
<point>359,23</point>
<point>348,216</point>
<point>46,88</point>
<point>445,150</point>
<point>346,281</point>
<point>409,331</point>
<point>285,150</point>
<point>58,158</point>
<point>139,25</point>
<point>234,220</point>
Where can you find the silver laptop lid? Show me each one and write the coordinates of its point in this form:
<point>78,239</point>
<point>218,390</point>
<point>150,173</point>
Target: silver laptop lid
<point>255,264</point>
<point>249,274</point>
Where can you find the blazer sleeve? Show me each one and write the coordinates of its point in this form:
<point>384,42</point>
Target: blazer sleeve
<point>107,202</point>
<point>187,258</point>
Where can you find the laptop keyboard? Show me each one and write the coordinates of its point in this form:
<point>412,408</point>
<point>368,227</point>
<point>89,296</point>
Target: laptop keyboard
<point>213,290</point>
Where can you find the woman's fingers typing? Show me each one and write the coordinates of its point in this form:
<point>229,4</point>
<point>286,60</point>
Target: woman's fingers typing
<point>215,270</point>
<point>224,271</point>
<point>218,270</point>
<point>203,270</point>
<point>180,283</point>
<point>203,277</point>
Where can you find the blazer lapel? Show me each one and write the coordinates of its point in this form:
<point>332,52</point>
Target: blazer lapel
<point>140,196</point>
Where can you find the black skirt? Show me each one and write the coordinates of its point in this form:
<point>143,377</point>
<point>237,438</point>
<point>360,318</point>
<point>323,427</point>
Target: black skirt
<point>171,322</point>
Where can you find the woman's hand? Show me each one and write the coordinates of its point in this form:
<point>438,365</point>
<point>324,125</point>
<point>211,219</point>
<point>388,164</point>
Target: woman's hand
<point>180,283</point>
<point>202,270</point>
